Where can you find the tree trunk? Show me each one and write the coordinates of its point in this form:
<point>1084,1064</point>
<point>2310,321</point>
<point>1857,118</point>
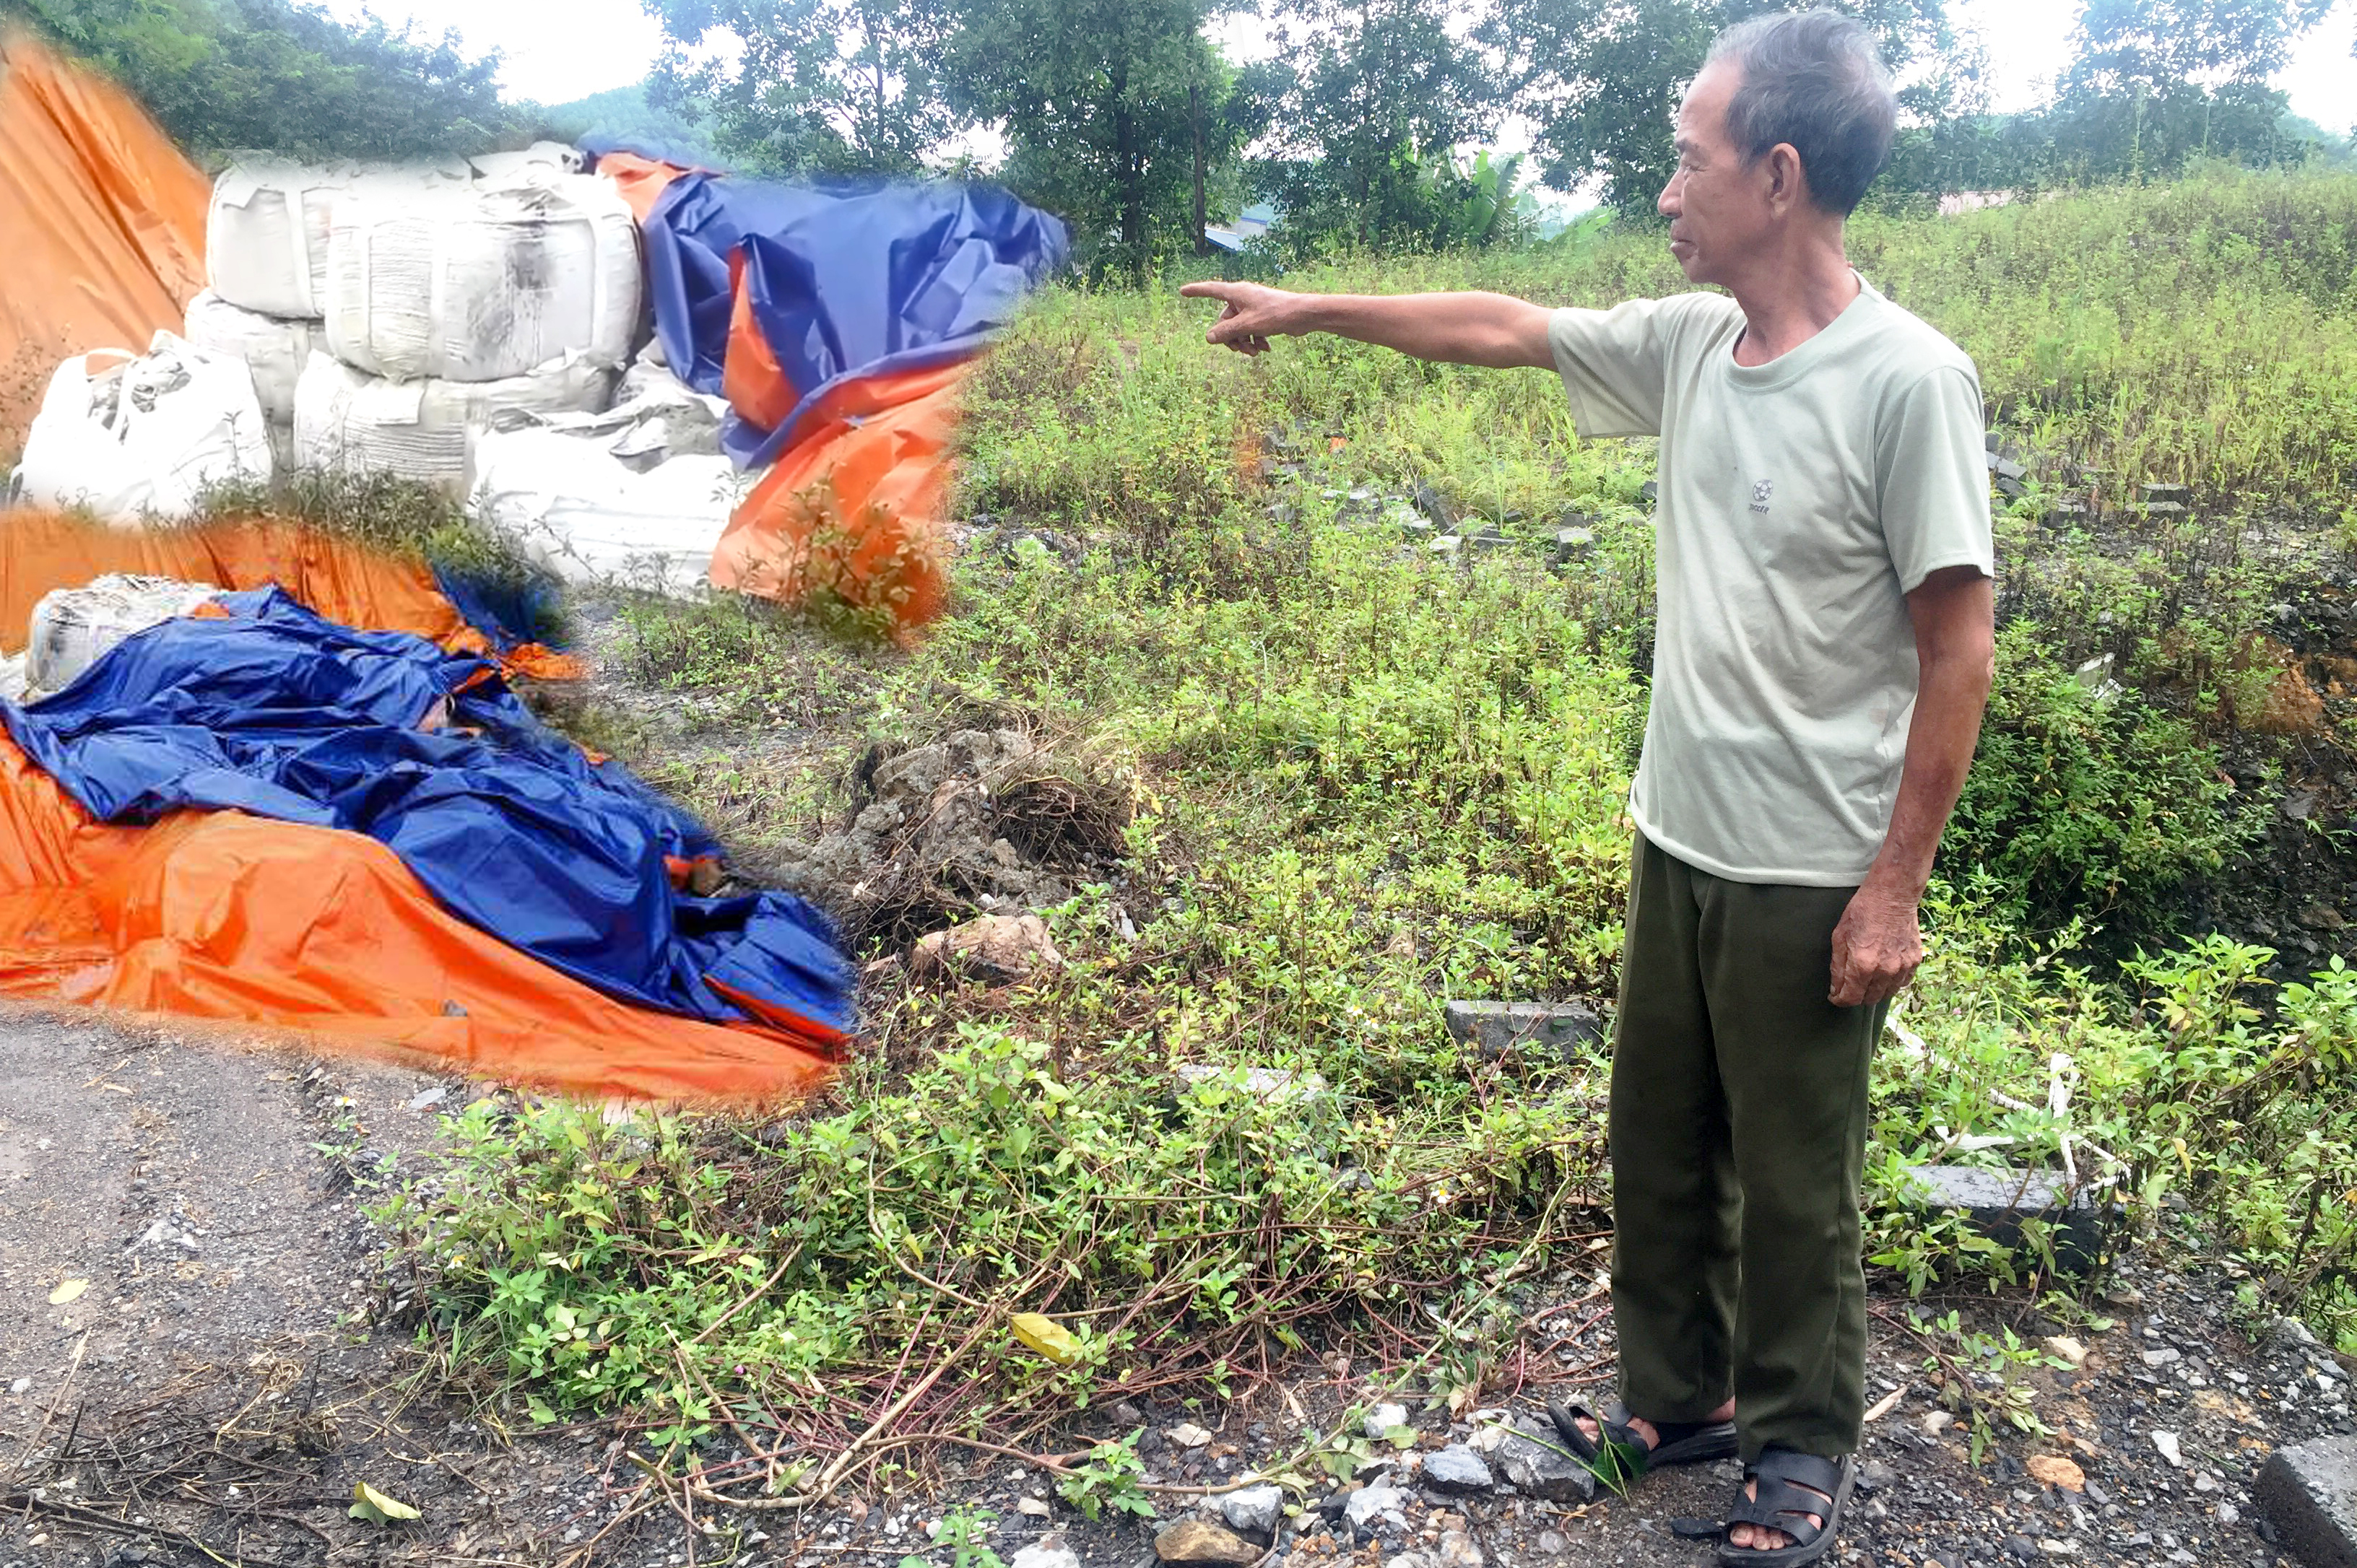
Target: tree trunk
<point>1132,175</point>
<point>1195,120</point>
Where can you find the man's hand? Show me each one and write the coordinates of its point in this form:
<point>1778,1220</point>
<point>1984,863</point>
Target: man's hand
<point>1877,948</point>
<point>1877,944</point>
<point>1490,330</point>
<point>1254,313</point>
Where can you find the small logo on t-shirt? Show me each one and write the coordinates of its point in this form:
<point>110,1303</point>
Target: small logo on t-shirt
<point>1760,494</point>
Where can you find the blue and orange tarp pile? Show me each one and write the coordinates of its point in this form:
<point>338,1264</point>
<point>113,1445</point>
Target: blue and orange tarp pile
<point>838,324</point>
<point>315,805</point>
<point>335,818</point>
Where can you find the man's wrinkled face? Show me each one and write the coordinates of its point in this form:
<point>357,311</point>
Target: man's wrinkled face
<point>1718,205</point>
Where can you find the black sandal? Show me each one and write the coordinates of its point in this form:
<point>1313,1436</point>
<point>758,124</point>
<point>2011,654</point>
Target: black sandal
<point>1683,1442</point>
<point>1791,1486</point>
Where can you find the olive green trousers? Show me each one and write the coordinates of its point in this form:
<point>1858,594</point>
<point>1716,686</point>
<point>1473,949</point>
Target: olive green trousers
<point>1739,1137</point>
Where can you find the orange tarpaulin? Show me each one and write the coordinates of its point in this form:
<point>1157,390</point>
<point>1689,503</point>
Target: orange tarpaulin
<point>640,180</point>
<point>103,218</point>
<point>853,507</point>
<point>315,930</point>
<point>344,581</point>
<point>325,933</point>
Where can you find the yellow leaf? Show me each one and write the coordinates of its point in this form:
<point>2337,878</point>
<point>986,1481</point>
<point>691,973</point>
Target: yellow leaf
<point>374,1506</point>
<point>70,1290</point>
<point>1048,1337</point>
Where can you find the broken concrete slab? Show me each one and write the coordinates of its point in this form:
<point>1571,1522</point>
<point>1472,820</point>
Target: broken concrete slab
<point>2309,1493</point>
<point>1996,1202</point>
<point>1498,1027</point>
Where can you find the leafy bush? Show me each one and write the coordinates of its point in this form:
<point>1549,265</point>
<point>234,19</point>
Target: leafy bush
<point>2084,799</point>
<point>2205,1119</point>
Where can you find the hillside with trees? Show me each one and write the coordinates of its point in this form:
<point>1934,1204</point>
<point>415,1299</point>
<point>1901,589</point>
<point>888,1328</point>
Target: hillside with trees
<point>222,75</point>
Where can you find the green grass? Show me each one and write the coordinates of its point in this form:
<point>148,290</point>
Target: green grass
<point>1368,780</point>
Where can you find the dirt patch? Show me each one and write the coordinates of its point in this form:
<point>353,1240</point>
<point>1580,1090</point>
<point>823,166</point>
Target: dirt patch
<point>216,1386</point>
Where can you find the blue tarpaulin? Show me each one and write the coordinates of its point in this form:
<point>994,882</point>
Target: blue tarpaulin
<point>842,281</point>
<point>276,711</point>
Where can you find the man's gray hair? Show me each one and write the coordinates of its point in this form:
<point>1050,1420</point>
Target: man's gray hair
<point>1814,78</point>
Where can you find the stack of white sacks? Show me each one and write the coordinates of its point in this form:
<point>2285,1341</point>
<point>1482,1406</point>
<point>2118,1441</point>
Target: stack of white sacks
<point>386,313</point>
<point>465,325</point>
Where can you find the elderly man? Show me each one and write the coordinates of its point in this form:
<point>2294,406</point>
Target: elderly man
<point>1822,657</point>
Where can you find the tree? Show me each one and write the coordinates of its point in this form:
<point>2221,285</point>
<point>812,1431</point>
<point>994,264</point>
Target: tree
<point>223,75</point>
<point>1102,101</point>
<point>1380,92</point>
<point>2157,44</point>
<point>2153,83</point>
<point>818,86</point>
<point>1602,78</point>
<point>624,114</point>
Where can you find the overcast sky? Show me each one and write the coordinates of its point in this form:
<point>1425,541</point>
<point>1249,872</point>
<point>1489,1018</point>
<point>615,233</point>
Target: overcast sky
<point>556,50</point>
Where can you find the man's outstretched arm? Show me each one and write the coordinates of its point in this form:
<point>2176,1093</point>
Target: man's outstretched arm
<point>1879,942</point>
<point>1492,329</point>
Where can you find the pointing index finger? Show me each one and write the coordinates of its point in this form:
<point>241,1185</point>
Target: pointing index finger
<point>1208,289</point>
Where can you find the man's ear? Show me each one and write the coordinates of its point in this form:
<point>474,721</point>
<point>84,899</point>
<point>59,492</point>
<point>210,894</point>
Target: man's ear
<point>1788,184</point>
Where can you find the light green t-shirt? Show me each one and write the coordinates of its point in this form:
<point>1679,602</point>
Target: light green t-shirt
<point>1800,500</point>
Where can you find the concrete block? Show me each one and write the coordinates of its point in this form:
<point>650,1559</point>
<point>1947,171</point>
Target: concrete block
<point>1496,1028</point>
<point>2309,1493</point>
<point>1995,1203</point>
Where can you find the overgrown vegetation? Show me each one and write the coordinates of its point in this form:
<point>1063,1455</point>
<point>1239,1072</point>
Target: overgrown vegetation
<point>1370,777</point>
<point>284,77</point>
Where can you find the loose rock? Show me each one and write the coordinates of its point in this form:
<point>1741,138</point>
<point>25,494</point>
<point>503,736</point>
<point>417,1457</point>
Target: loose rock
<point>1366,1505</point>
<point>1456,1471</point>
<point>1458,1551</point>
<point>2287,1335</point>
<point>1000,949</point>
<point>1381,1419</point>
<point>1045,1555</point>
<point>1201,1540</point>
<point>2056,1471</point>
<point>1995,1203</point>
<point>2066,1347</point>
<point>1496,1028</point>
<point>2309,1492</point>
<point>1531,1460</point>
<point>1187,1435</point>
<point>1273,1084</point>
<point>1253,1510</point>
